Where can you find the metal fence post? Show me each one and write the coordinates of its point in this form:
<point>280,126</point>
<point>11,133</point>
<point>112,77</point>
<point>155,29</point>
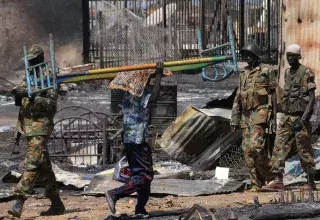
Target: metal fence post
<point>104,144</point>
<point>202,22</point>
<point>164,23</point>
<point>242,28</point>
<point>126,39</point>
<point>269,30</point>
<point>85,30</point>
<point>100,37</point>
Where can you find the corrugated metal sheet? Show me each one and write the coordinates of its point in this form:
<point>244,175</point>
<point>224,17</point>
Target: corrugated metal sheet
<point>301,25</point>
<point>199,137</point>
<point>179,187</point>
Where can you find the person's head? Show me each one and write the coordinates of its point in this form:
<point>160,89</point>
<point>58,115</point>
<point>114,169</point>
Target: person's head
<point>251,52</point>
<point>293,54</point>
<point>35,55</point>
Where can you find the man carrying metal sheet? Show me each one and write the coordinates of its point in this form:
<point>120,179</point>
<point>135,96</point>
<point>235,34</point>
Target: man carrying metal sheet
<point>36,123</point>
<point>136,116</point>
<point>294,127</point>
<point>253,107</point>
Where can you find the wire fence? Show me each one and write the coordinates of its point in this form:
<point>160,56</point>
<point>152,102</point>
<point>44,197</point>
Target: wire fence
<point>123,32</point>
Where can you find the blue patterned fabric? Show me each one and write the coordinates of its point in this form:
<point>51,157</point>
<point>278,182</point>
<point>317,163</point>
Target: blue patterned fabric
<point>135,118</point>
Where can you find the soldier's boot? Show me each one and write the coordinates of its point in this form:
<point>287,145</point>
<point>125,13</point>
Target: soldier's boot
<point>255,189</point>
<point>276,185</point>
<point>17,207</point>
<point>56,208</point>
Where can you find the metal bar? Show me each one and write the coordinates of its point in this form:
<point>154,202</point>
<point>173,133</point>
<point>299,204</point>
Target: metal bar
<point>104,162</point>
<point>88,130</point>
<point>74,155</point>
<point>39,64</point>
<point>63,141</point>
<point>85,30</point>
<point>35,78</point>
<point>48,77</point>
<point>148,66</point>
<point>202,22</point>
<point>41,78</point>
<point>268,31</point>
<point>242,27</point>
<point>215,48</point>
<point>79,137</point>
<point>53,61</point>
<point>126,38</point>
<point>115,135</point>
<point>113,75</point>
<point>91,48</point>
<point>26,66</point>
<point>100,40</point>
<point>164,22</point>
<point>96,42</point>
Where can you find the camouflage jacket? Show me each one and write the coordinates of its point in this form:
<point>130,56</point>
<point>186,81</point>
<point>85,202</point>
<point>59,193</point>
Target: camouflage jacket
<point>295,96</point>
<point>36,114</point>
<point>252,103</point>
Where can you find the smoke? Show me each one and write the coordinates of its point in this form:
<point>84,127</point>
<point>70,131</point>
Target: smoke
<point>31,22</point>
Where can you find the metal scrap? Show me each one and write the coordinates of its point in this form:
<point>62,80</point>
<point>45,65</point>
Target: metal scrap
<point>198,212</point>
<point>180,187</point>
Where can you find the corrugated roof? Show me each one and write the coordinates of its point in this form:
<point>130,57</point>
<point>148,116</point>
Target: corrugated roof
<point>199,137</point>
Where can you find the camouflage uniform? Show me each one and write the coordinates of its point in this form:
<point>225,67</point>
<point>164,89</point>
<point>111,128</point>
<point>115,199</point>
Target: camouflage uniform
<point>36,123</point>
<point>251,110</point>
<point>294,102</point>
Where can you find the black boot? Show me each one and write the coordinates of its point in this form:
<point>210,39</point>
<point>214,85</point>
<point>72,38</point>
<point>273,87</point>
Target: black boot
<point>16,209</point>
<point>56,208</point>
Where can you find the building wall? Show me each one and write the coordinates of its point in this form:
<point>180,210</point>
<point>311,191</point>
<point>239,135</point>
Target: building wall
<point>31,21</point>
<point>301,25</point>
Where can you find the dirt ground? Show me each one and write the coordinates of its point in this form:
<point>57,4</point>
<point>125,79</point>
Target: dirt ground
<point>87,207</point>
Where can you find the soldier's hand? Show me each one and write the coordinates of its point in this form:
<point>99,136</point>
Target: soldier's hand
<point>159,68</point>
<point>19,92</point>
<point>234,128</point>
<point>14,91</point>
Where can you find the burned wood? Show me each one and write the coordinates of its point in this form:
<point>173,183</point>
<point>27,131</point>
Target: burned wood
<point>153,214</point>
<point>292,211</point>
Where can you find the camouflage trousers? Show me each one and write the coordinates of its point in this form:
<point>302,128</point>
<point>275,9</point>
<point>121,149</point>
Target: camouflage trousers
<point>37,169</point>
<point>288,142</point>
<point>256,154</point>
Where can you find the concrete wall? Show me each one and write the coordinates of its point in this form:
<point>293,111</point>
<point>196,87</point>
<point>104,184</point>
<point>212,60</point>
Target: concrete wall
<point>31,21</point>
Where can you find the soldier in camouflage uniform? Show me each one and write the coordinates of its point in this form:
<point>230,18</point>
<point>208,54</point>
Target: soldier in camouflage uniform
<point>254,105</point>
<point>294,127</point>
<point>35,122</point>
<point>136,117</point>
